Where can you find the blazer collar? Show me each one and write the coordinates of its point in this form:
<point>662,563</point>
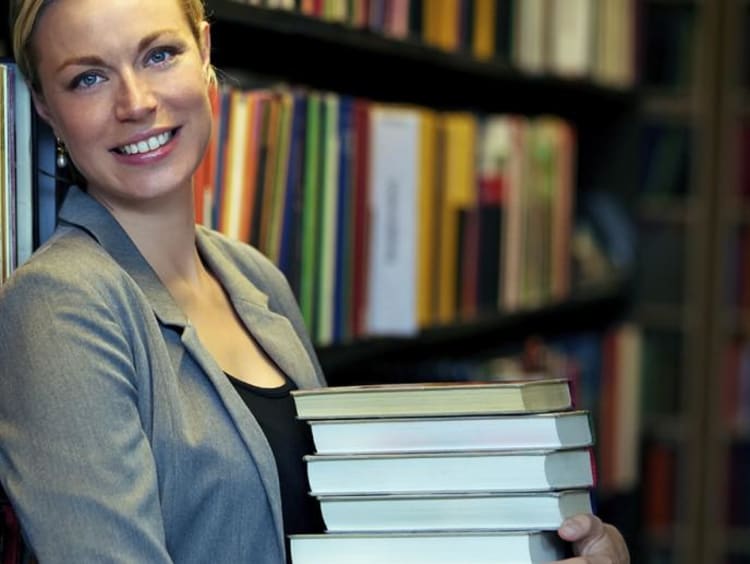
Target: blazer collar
<point>87,213</point>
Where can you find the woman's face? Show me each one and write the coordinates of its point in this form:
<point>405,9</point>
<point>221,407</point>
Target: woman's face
<point>124,85</point>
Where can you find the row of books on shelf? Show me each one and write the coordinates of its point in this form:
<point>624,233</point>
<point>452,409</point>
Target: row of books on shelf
<point>577,38</point>
<point>390,218</point>
<point>445,472</point>
<point>663,510</point>
<point>16,214</point>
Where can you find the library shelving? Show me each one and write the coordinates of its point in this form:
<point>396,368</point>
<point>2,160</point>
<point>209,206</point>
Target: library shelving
<point>694,59</point>
<point>357,62</point>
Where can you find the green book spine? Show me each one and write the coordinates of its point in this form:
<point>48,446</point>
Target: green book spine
<point>310,212</point>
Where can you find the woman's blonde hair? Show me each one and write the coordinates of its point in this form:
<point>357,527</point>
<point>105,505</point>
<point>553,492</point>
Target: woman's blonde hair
<point>26,13</point>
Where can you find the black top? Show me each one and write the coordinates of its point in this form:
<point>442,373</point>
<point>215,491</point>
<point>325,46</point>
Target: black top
<point>290,439</point>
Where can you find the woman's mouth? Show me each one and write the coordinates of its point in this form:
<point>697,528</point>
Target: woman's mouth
<point>146,145</point>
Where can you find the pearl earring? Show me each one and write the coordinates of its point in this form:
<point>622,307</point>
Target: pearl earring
<point>62,158</point>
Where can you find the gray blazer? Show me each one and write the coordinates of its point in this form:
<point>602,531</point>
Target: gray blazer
<point>121,440</point>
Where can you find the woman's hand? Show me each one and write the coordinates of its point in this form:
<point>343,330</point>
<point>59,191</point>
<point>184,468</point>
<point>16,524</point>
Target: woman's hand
<point>593,541</point>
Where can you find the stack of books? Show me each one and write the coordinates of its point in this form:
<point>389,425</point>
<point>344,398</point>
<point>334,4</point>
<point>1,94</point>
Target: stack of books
<point>444,472</point>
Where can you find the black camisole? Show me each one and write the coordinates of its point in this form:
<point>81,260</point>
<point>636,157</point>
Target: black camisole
<point>290,439</point>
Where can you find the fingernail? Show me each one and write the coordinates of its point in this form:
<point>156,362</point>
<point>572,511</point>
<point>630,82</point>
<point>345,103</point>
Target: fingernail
<point>570,528</point>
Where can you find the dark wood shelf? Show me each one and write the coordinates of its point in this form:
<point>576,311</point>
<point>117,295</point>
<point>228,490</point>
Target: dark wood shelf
<point>596,308</point>
<point>359,62</point>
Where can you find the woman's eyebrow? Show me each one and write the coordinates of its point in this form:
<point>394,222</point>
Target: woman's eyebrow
<point>95,60</point>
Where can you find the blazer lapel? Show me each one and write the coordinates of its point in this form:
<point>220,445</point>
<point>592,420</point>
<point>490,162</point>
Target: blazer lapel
<point>246,424</point>
<point>273,332</point>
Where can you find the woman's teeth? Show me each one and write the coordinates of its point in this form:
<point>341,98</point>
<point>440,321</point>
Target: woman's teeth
<point>150,144</point>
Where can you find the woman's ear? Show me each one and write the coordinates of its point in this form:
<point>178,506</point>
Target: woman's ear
<point>205,46</point>
<point>41,107</point>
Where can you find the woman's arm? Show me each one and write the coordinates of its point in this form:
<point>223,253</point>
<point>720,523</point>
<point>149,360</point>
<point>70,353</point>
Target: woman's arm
<point>595,542</point>
<point>74,457</point>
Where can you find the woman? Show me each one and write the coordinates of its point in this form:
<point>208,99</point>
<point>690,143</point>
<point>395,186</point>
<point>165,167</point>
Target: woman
<point>145,413</point>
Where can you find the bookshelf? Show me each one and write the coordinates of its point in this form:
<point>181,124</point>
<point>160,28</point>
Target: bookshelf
<point>359,62</point>
<point>348,60</point>
<point>684,209</point>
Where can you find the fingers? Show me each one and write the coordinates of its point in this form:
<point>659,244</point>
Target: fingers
<point>594,541</point>
<point>584,526</point>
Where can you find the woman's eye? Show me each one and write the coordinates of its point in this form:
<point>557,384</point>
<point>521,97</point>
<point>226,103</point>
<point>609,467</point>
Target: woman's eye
<point>160,56</point>
<point>86,80</point>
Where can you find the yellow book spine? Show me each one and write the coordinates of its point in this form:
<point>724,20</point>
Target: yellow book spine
<point>460,179</point>
<point>484,24</point>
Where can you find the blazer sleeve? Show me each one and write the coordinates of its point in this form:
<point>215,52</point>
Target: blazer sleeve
<point>74,458</point>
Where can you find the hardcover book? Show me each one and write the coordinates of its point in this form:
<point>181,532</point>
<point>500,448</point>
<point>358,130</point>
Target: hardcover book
<point>455,472</point>
<point>423,548</point>
<point>461,511</point>
<point>565,429</point>
<point>406,400</point>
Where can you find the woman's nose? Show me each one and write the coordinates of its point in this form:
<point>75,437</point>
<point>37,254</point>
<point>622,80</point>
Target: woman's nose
<point>136,98</point>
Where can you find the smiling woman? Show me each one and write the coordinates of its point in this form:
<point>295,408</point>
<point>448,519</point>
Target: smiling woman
<point>147,364</point>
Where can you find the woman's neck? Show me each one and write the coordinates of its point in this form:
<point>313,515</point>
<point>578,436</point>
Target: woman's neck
<point>164,232</point>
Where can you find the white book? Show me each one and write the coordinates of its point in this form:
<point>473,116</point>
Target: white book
<point>456,472</point>
<point>427,548</point>
<point>530,44</point>
<point>431,434</point>
<point>392,300</point>
<point>464,511</point>
<point>572,35</point>
<point>24,171</point>
<point>627,428</point>
<point>511,133</point>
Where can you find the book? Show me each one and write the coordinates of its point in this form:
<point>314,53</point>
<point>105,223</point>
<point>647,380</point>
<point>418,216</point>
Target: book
<point>456,472</point>
<point>462,511</point>
<point>431,434</point>
<point>24,169</point>
<point>439,398</point>
<point>422,548</point>
<point>393,253</point>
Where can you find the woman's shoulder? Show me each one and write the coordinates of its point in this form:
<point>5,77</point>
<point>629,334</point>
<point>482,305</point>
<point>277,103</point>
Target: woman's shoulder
<point>71,261</point>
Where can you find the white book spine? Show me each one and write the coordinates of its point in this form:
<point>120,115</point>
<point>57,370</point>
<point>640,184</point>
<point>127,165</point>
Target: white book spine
<point>392,305</point>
